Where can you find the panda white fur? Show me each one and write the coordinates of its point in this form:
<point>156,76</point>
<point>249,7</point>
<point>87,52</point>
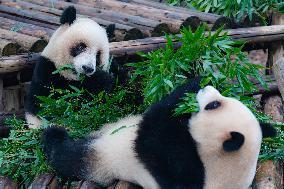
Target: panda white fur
<point>216,148</point>
<point>78,41</point>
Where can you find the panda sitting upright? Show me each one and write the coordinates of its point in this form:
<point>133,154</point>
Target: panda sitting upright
<point>215,148</point>
<point>80,42</point>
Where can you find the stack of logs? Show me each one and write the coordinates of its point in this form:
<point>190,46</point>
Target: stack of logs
<point>26,25</point>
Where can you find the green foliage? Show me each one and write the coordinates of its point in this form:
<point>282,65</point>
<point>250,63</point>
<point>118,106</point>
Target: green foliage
<point>21,155</point>
<point>83,112</point>
<point>216,58</point>
<point>233,8</point>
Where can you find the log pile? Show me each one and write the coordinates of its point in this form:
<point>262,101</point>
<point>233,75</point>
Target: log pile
<point>133,20</point>
<point>255,35</point>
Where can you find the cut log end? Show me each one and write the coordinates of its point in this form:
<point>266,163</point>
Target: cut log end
<point>7,48</point>
<point>161,29</point>
<point>225,22</point>
<point>192,22</point>
<point>38,46</point>
<point>133,34</point>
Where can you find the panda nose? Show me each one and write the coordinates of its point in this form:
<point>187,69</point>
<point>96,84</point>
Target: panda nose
<point>87,69</point>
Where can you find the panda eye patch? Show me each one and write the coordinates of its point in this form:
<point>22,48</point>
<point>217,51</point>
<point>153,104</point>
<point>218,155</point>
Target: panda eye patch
<point>78,49</point>
<point>213,105</point>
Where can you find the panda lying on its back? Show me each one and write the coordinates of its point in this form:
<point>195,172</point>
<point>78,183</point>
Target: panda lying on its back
<point>216,148</point>
<point>80,42</point>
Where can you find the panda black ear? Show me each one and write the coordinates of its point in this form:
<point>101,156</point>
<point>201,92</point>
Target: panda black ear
<point>234,143</point>
<point>68,15</point>
<point>110,30</point>
<point>267,130</point>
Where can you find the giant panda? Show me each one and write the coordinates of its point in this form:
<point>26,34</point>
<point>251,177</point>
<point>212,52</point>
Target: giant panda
<point>80,42</point>
<point>215,148</point>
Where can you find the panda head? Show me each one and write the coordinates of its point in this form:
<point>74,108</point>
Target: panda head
<point>226,125</point>
<point>80,42</point>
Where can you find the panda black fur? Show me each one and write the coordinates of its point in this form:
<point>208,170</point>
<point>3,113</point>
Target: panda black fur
<point>212,149</point>
<point>78,41</point>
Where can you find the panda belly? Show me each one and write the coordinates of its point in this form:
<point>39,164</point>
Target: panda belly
<point>115,158</point>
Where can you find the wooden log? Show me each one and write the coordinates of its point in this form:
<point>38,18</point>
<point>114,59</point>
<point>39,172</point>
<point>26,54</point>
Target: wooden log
<point>276,49</point>
<point>160,11</point>
<point>44,181</point>
<point>119,49</point>
<point>270,173</point>
<point>146,25</point>
<point>30,14</point>
<point>250,35</point>
<point>1,95</point>
<point>204,17</point>
<point>7,183</point>
<point>26,43</point>
<point>27,20</point>
<point>87,185</point>
<point>12,99</point>
<point>18,62</point>
<point>123,185</point>
<point>25,28</point>
<point>169,17</point>
<point>278,70</point>
<point>27,15</point>
<point>7,47</point>
<point>271,86</point>
<point>150,22</point>
<point>225,22</point>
